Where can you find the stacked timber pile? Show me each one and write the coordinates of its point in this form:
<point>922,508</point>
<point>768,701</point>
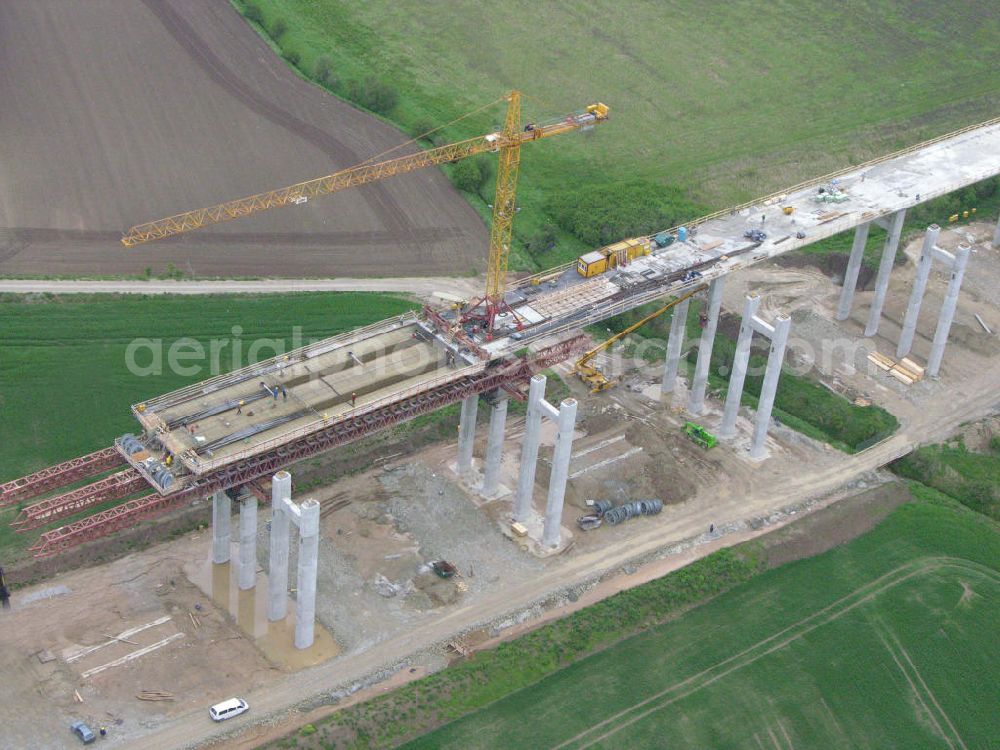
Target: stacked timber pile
<point>905,370</point>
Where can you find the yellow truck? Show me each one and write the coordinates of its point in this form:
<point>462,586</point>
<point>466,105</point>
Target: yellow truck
<point>612,256</point>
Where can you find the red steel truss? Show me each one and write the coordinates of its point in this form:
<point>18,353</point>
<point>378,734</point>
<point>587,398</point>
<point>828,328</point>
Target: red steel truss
<point>129,513</point>
<point>59,475</point>
<point>115,487</point>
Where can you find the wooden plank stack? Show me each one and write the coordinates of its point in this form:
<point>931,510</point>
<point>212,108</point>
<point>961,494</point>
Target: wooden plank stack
<point>155,695</point>
<point>905,371</point>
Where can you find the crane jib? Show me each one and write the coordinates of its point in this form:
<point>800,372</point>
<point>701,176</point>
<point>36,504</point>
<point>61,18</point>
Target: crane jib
<point>361,175</point>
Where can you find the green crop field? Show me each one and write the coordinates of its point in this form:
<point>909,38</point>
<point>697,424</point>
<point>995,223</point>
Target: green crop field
<point>65,387</point>
<point>886,642</point>
<point>722,101</point>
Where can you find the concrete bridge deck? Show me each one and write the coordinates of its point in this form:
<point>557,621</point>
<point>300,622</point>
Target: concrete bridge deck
<point>228,418</point>
<point>717,245</point>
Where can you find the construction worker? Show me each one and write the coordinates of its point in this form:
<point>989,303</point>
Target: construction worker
<point>104,731</point>
<point>169,460</point>
<point>354,398</point>
<point>239,408</point>
<point>284,393</point>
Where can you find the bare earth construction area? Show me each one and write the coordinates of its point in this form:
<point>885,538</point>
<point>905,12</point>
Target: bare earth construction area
<point>117,111</point>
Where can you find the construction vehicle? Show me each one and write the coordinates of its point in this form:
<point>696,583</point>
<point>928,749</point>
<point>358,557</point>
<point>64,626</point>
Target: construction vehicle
<point>596,379</point>
<point>664,239</point>
<point>612,256</point>
<point>443,568</point>
<point>699,435</point>
<point>506,142</point>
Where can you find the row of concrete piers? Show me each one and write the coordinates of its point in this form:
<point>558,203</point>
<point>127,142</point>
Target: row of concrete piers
<point>283,513</point>
<point>777,332</point>
<point>564,416</point>
<point>930,252</point>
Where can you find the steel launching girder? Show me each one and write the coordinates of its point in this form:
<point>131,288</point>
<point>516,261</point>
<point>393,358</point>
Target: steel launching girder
<point>115,487</point>
<point>59,475</point>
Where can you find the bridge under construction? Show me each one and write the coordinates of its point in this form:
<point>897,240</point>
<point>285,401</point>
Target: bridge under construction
<point>235,429</point>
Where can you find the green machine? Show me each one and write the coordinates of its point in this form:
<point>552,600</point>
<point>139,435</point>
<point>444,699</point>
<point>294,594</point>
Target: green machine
<point>700,435</point>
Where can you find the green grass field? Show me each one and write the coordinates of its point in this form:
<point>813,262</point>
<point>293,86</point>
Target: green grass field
<point>971,478</point>
<point>725,102</point>
<point>65,388</point>
<point>886,642</point>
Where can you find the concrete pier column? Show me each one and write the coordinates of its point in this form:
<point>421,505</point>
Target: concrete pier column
<point>674,345</point>
<point>885,271</point>
<point>494,446</point>
<point>560,473</point>
<point>853,267</point>
<point>248,542</point>
<point>467,434</point>
<point>996,235</point>
<point>948,309</point>
<point>277,574</point>
<point>697,401</point>
<point>740,362</point>
<point>305,596</point>
<point>529,449</point>
<point>917,295</point>
<point>775,358</point>
<point>222,513</point>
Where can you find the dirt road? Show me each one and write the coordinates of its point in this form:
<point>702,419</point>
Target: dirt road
<point>123,111</point>
<point>424,288</point>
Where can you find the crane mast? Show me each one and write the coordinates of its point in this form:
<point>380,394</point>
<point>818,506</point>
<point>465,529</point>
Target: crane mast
<point>504,208</point>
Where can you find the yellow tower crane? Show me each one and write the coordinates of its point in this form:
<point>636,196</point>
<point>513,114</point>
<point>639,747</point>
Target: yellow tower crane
<point>507,142</point>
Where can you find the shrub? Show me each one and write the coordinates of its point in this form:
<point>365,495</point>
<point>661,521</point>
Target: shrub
<point>467,176</point>
<point>373,94</point>
<point>543,239</point>
<point>293,57</point>
<point>323,69</point>
<point>971,478</point>
<point>420,127</point>
<point>605,213</point>
<point>278,28</point>
<point>252,13</point>
<point>380,97</point>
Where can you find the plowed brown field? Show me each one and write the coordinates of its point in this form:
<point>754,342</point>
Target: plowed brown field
<point>117,112</point>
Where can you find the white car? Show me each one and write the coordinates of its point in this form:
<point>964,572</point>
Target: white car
<point>228,709</point>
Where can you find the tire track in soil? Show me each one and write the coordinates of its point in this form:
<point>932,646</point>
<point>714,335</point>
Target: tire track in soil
<point>377,197</point>
<point>920,689</point>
